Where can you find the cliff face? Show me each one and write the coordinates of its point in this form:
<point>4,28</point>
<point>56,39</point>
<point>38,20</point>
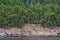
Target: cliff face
<point>31,30</point>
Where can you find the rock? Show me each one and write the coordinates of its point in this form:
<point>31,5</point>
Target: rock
<point>3,34</point>
<point>13,31</point>
<point>37,30</point>
<point>30,30</point>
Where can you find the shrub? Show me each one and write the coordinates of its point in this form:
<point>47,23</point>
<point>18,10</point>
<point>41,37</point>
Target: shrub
<point>19,12</point>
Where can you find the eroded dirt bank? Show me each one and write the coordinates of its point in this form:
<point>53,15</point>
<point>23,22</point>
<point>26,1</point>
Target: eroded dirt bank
<point>30,30</point>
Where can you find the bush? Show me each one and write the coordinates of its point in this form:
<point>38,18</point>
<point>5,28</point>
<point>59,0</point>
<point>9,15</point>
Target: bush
<point>19,12</point>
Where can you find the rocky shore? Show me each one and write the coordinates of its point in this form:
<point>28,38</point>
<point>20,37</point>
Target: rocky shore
<point>30,30</point>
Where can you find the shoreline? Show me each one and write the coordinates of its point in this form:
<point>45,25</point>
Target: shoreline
<point>30,36</point>
<point>30,30</point>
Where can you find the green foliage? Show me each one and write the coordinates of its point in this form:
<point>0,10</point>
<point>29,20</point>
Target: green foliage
<point>19,12</point>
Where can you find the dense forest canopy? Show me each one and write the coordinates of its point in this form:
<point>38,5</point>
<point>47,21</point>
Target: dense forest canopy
<point>19,12</point>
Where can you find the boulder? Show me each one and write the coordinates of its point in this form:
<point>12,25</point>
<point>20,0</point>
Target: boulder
<point>3,34</point>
